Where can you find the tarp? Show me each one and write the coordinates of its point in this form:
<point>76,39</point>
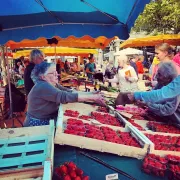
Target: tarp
<point>21,19</point>
<point>60,51</point>
<point>172,39</point>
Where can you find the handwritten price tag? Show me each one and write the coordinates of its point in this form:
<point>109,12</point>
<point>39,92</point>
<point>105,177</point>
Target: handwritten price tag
<point>112,176</point>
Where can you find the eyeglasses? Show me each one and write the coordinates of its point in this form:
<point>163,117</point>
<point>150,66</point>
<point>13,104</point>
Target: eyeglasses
<point>53,73</point>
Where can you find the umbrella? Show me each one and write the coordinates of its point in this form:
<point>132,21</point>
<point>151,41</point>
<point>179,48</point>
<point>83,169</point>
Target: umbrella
<point>32,19</point>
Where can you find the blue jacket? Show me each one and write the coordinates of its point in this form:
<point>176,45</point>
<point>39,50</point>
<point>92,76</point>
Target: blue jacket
<point>169,110</point>
<point>167,92</point>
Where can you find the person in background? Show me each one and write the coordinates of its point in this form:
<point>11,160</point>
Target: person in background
<point>176,58</point>
<point>90,68</point>
<point>168,110</point>
<point>140,67</point>
<point>133,63</point>
<point>66,66</point>
<point>21,69</point>
<point>47,95</point>
<point>75,65</point>
<point>126,76</point>
<point>36,57</point>
<point>26,63</point>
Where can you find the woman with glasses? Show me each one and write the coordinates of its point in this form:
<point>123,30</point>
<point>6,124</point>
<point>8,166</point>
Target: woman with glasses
<point>46,96</point>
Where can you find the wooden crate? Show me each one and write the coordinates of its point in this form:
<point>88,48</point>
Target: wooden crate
<point>100,145</point>
<point>86,109</point>
<point>161,152</point>
<point>27,152</point>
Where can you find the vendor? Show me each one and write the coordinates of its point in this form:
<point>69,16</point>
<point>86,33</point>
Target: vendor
<point>46,96</point>
<point>36,57</point>
<point>168,110</point>
<point>126,76</point>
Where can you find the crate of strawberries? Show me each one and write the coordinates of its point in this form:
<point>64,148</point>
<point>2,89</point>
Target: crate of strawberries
<point>111,139</point>
<point>162,166</point>
<point>164,144</point>
<point>69,171</point>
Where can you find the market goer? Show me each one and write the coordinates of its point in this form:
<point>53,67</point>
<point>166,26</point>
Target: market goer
<point>90,68</point>
<point>126,76</point>
<point>164,94</point>
<point>36,57</point>
<point>46,96</point>
<point>168,110</point>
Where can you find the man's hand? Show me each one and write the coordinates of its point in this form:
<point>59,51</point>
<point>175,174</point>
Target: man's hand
<point>141,103</point>
<point>131,97</point>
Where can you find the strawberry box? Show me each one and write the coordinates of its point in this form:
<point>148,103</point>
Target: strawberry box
<point>104,138</point>
<point>90,112</point>
<point>164,143</point>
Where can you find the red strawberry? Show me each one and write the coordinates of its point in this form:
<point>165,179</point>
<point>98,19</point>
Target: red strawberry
<point>72,166</point>
<point>67,177</point>
<point>79,172</point>
<point>63,169</point>
<point>77,178</point>
<point>57,170</point>
<point>72,174</point>
<point>85,178</point>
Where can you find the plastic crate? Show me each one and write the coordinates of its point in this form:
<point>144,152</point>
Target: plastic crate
<point>27,152</point>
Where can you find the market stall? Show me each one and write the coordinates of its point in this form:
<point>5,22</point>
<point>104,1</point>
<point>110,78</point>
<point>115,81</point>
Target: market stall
<point>72,18</point>
<point>141,130</point>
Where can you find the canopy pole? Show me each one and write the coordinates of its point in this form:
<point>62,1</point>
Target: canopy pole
<point>55,54</point>
<point>9,83</point>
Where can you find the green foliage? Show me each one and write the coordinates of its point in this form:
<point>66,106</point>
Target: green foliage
<point>160,16</point>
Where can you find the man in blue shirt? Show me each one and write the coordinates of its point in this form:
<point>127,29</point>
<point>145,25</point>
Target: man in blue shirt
<point>90,68</point>
<point>167,92</point>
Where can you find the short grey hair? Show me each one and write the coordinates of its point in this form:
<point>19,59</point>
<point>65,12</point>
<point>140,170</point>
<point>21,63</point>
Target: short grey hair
<point>123,58</point>
<point>34,54</point>
<point>168,70</point>
<point>40,69</point>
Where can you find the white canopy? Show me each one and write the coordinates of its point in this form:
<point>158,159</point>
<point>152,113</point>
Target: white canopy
<point>131,51</point>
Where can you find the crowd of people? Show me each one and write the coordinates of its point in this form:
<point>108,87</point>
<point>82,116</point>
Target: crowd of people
<point>45,94</point>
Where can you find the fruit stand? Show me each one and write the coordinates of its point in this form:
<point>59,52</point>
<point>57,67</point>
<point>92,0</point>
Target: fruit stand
<point>85,127</point>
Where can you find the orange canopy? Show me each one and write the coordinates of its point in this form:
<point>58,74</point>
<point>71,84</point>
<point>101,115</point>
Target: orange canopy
<point>172,39</point>
<point>84,42</point>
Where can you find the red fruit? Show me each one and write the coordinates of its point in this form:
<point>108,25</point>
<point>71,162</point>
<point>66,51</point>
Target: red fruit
<point>85,178</point>
<point>63,169</point>
<point>79,172</point>
<point>71,166</point>
<point>72,174</point>
<point>77,178</point>
<point>67,177</point>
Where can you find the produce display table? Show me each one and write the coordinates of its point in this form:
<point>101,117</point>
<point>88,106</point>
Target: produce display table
<point>97,171</point>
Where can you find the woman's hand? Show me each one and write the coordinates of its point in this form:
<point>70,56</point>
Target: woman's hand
<point>99,99</point>
<point>127,78</point>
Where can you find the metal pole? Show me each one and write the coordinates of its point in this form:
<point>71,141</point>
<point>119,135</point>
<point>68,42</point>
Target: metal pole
<point>9,83</point>
<point>55,54</point>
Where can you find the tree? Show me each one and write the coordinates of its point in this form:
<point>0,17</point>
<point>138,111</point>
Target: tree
<point>159,16</point>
